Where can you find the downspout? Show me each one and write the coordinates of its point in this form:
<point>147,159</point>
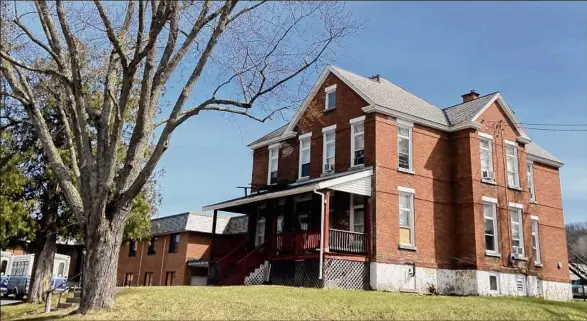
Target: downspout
<point>140,264</point>
<point>321,259</point>
<point>162,260</point>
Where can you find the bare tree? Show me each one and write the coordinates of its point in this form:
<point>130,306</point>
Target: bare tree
<point>180,58</point>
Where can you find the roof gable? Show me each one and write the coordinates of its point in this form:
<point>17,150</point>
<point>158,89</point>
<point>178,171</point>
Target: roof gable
<point>464,112</point>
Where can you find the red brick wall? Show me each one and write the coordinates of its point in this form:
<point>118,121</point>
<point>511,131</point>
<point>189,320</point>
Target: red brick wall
<point>348,106</point>
<point>434,227</point>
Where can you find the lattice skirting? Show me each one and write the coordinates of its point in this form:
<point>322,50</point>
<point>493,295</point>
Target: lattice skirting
<point>296,273</point>
<point>344,274</point>
<point>259,276</point>
<point>341,274</point>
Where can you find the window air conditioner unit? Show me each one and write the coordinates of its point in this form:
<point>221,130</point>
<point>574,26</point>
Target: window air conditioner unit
<point>487,175</point>
<point>328,167</point>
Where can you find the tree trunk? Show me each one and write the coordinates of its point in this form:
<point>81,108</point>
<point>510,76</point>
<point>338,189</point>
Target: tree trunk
<point>42,269</point>
<point>45,249</point>
<point>102,242</point>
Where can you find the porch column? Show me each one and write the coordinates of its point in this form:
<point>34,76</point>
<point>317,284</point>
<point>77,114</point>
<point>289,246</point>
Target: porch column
<point>214,219</point>
<point>273,247</point>
<point>367,226</point>
<point>326,219</point>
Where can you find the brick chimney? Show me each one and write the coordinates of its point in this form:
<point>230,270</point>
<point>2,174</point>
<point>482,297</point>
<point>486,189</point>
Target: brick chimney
<point>470,96</point>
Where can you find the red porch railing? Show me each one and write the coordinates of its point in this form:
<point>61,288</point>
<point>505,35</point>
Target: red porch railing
<point>347,241</point>
<point>297,242</point>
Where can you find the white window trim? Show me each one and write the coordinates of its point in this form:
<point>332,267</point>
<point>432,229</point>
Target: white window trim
<point>258,231</point>
<point>490,202</point>
<point>327,91</point>
<point>531,183</point>
<point>497,282</point>
<point>354,122</point>
<point>538,257</point>
<point>483,137</point>
<point>521,226</point>
<point>410,126</point>
<point>406,189</point>
<point>353,207</point>
<point>516,165</point>
<point>412,193</point>
<point>516,205</point>
<point>272,147</point>
<point>307,136</point>
<point>325,131</point>
<point>489,199</point>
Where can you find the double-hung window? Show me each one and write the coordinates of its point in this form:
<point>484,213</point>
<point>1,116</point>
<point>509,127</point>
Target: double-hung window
<point>273,162</point>
<point>132,248</point>
<point>530,174</point>
<point>511,153</point>
<point>357,213</point>
<point>173,242</point>
<point>330,102</point>
<point>329,134</point>
<point>535,241</point>
<point>517,230</point>
<point>490,218</point>
<point>305,143</point>
<point>404,145</point>
<point>152,246</point>
<point>406,216</point>
<point>486,155</point>
<point>358,141</point>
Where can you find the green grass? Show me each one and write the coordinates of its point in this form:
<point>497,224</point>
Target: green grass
<point>276,302</point>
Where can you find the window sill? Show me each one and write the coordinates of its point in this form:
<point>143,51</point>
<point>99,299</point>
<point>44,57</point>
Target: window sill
<point>407,247</point>
<point>408,171</point>
<point>536,264</point>
<point>352,168</point>
<point>492,254</point>
<point>327,174</point>
<point>301,179</point>
<point>488,182</point>
<point>330,109</point>
<point>533,202</point>
<point>515,188</point>
<point>520,258</point>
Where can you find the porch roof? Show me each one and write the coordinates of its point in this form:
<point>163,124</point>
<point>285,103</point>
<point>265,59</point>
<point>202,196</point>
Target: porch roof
<point>356,182</point>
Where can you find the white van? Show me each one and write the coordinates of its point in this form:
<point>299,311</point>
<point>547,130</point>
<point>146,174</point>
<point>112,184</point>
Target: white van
<point>22,268</point>
<point>5,267</point>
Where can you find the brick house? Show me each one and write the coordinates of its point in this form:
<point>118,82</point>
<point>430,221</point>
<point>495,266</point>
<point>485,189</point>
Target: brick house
<point>371,187</point>
<point>178,251</point>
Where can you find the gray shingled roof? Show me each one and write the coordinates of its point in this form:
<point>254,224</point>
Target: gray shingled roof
<point>537,150</point>
<point>389,95</point>
<point>198,222</point>
<point>278,132</point>
<point>466,111</point>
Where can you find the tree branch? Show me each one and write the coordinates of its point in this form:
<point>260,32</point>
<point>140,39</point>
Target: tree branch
<point>111,34</point>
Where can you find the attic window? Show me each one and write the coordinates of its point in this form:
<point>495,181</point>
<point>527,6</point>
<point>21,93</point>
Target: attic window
<point>330,98</point>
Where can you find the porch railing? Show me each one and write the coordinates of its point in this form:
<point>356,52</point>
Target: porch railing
<point>346,241</point>
<point>297,242</point>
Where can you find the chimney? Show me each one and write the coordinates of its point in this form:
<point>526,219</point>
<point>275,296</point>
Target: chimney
<point>375,78</point>
<point>470,96</point>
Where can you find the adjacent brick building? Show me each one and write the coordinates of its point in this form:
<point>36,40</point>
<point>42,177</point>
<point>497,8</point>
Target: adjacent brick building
<point>416,198</point>
<point>179,250</point>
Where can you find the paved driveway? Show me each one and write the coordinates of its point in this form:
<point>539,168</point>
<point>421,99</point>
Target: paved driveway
<point>8,301</point>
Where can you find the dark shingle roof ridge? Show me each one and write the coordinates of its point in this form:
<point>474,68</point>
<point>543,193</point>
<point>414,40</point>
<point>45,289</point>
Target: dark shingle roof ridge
<point>480,97</point>
<point>169,216</point>
<point>268,135</point>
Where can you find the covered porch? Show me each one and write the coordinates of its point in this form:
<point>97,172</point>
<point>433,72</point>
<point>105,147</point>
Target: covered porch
<point>306,219</point>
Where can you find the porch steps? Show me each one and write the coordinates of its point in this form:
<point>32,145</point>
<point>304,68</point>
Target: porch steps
<point>71,302</point>
<point>260,275</point>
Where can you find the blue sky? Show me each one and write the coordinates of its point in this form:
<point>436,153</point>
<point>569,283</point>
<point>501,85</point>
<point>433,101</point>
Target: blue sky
<point>534,53</point>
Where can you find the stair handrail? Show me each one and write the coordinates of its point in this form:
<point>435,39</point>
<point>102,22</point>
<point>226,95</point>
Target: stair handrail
<point>62,283</point>
<point>251,253</point>
<point>577,254</point>
<point>233,251</point>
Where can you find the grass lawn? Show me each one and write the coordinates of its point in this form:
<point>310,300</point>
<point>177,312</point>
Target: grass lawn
<point>276,302</point>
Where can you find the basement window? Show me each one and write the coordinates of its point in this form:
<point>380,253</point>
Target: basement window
<point>493,283</point>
